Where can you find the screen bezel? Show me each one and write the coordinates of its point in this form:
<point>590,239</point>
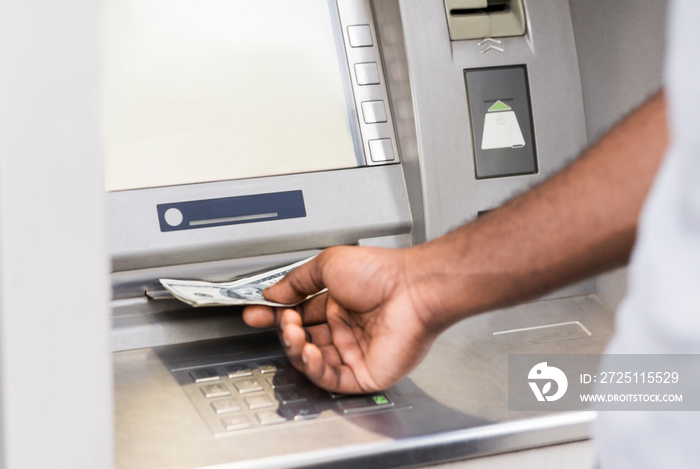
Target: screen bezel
<point>342,206</point>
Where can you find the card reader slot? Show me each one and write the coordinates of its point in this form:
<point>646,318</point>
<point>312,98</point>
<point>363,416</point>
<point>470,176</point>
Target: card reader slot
<point>475,19</point>
<point>213,221</point>
<point>493,6</point>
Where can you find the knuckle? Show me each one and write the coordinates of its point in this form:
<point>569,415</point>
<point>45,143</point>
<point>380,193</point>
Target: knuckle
<point>297,286</point>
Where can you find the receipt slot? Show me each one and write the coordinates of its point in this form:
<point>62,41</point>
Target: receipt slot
<point>501,121</point>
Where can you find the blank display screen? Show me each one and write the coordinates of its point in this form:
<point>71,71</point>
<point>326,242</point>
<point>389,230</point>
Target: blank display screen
<point>208,90</point>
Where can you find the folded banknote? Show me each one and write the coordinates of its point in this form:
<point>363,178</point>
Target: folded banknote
<point>243,291</point>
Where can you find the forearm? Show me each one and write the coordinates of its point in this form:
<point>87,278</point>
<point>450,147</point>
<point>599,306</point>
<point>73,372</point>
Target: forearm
<point>578,223</point>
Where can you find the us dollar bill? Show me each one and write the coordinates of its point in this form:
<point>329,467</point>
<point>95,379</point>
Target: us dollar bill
<point>243,291</point>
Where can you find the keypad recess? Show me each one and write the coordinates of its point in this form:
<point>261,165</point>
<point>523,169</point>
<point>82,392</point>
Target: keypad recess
<point>253,395</point>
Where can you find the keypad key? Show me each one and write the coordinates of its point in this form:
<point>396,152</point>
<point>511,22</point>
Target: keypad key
<point>299,411</point>
<point>226,406</point>
<point>270,418</point>
<point>236,423</point>
<point>248,385</point>
<point>381,400</point>
<point>215,390</point>
<point>238,371</point>
<point>268,367</point>
<point>259,402</point>
<point>280,380</point>
<point>205,375</point>
<point>290,396</point>
<point>365,403</point>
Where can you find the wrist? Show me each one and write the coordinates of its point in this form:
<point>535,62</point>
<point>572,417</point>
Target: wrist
<point>440,284</point>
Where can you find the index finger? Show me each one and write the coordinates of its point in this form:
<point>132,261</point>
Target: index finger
<point>298,284</point>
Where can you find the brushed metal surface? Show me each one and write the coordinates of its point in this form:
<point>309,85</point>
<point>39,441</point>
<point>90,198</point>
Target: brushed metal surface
<point>458,398</point>
<point>620,48</point>
<point>436,65</point>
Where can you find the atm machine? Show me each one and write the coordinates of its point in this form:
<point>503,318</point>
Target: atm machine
<point>240,136</point>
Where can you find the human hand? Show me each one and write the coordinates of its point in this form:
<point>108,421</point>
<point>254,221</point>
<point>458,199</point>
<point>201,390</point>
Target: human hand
<point>364,334</point>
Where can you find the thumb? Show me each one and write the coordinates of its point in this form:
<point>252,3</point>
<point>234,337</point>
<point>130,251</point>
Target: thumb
<point>301,282</point>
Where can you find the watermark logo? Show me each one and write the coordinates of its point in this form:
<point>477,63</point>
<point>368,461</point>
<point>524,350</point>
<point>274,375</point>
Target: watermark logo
<point>547,374</point>
<point>603,382</point>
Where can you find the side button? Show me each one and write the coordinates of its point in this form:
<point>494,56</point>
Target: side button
<point>374,112</point>
<point>381,150</point>
<point>360,35</point>
<point>367,73</point>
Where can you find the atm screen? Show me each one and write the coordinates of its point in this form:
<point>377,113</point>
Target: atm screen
<point>209,90</point>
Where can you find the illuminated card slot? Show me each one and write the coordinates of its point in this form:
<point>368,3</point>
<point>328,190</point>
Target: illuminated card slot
<point>214,221</point>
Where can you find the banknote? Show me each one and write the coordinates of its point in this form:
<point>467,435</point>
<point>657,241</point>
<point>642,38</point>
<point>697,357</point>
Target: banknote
<point>243,291</point>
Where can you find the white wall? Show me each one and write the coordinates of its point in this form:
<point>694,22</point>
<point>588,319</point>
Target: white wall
<point>55,375</point>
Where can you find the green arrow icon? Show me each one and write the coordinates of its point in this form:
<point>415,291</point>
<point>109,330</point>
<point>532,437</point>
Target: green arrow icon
<point>499,106</point>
